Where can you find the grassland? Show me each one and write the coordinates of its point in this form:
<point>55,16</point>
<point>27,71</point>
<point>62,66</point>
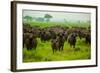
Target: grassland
<point>44,51</point>
<point>49,24</point>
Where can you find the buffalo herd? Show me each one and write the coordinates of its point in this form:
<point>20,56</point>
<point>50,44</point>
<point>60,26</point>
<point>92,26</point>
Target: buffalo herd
<point>57,35</point>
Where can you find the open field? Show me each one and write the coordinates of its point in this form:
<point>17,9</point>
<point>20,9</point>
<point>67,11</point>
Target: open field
<point>67,24</point>
<point>44,51</point>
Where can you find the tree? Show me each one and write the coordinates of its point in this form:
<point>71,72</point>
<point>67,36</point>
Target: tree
<point>28,18</point>
<point>47,17</point>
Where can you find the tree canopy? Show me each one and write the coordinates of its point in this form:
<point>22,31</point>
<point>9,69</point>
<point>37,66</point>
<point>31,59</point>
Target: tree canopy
<point>28,18</point>
<point>48,17</point>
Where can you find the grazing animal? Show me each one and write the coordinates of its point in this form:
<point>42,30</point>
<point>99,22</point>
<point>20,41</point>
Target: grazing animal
<point>88,38</point>
<point>55,44</point>
<point>45,35</point>
<point>25,36</point>
<point>72,39</point>
<point>61,41</point>
<point>31,42</point>
<point>58,42</point>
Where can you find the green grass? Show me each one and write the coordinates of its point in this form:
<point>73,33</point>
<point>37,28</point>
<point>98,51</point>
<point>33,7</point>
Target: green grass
<point>49,24</point>
<point>44,51</point>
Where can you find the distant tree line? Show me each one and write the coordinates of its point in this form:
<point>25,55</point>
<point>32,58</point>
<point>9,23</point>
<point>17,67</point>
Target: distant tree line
<point>46,18</point>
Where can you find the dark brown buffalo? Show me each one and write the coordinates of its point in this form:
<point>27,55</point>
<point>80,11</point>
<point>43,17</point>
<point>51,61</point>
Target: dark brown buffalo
<point>55,44</point>
<point>36,31</point>
<point>72,39</point>
<point>88,38</point>
<point>45,35</point>
<point>29,41</point>
<point>61,40</point>
<point>26,28</point>
<point>25,36</point>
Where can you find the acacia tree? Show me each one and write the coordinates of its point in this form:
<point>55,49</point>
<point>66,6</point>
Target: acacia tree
<point>47,17</point>
<point>28,18</point>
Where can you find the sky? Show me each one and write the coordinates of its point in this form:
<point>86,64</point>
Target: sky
<point>60,16</point>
